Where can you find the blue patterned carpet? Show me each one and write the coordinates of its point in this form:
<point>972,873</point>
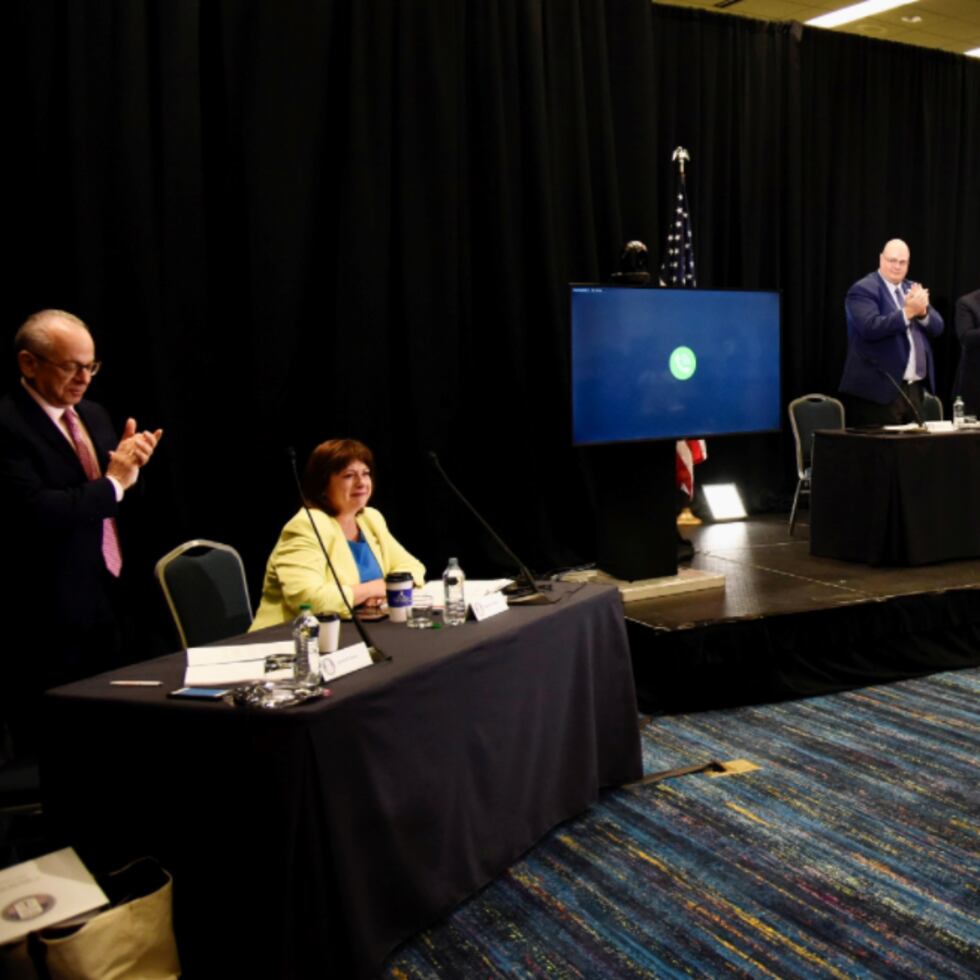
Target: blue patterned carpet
<point>853,851</point>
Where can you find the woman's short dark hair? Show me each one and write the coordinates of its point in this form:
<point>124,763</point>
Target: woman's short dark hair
<point>328,458</point>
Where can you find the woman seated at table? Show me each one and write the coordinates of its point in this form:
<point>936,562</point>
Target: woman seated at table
<point>337,486</point>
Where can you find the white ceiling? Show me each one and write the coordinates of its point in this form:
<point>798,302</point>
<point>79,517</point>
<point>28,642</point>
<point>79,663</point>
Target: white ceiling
<point>952,25</point>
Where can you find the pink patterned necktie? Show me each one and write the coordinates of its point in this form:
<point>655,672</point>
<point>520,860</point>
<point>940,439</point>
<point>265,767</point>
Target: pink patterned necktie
<point>110,536</point>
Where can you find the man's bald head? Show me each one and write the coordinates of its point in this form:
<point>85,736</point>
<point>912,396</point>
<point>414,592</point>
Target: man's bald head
<point>894,261</point>
<point>39,332</point>
<point>56,356</point>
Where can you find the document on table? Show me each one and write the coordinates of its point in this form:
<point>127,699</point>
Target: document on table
<point>44,892</point>
<point>945,425</point>
<point>236,652</point>
<point>235,663</point>
<point>472,589</point>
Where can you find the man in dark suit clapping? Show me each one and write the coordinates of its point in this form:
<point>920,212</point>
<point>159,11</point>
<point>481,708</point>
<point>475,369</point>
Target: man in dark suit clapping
<point>889,355</point>
<point>63,476</point>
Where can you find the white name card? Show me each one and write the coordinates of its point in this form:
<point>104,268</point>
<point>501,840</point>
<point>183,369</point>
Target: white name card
<point>344,661</point>
<point>488,605</point>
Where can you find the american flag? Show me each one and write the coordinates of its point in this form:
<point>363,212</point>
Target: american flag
<point>677,267</point>
<point>687,454</point>
<point>677,270</point>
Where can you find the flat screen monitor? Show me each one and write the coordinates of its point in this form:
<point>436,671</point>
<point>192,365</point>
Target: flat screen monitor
<point>651,363</point>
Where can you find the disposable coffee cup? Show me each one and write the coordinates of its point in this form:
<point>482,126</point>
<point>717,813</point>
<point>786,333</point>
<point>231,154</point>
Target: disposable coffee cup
<point>329,632</point>
<point>398,586</point>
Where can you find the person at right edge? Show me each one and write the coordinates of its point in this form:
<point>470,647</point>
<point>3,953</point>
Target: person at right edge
<point>967,321</point>
<point>889,356</point>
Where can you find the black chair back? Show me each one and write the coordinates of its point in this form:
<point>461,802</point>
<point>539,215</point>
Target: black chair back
<point>807,414</point>
<point>205,588</point>
<point>932,408</point>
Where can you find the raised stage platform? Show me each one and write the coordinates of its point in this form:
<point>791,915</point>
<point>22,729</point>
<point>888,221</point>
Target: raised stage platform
<point>791,625</point>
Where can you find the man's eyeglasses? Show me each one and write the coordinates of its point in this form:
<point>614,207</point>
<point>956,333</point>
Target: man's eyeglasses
<point>71,367</point>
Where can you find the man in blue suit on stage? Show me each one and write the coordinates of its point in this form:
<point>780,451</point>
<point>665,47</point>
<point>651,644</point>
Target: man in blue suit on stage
<point>889,357</point>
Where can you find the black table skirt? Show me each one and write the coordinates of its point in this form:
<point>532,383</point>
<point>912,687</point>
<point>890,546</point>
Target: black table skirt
<point>311,841</point>
<point>895,498</point>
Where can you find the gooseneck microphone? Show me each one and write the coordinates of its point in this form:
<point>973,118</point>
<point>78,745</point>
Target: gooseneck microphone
<point>525,590</point>
<point>868,359</point>
<point>376,654</point>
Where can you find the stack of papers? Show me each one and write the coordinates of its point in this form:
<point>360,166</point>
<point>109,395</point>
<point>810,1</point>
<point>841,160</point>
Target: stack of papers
<point>242,663</point>
<point>235,664</point>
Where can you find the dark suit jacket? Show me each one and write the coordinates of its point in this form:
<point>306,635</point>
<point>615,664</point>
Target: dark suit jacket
<point>876,334</point>
<point>53,515</point>
<point>967,381</point>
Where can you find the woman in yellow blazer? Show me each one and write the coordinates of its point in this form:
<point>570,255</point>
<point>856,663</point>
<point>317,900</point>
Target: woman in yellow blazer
<point>337,485</point>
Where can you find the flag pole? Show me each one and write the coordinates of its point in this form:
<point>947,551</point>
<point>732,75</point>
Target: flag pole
<point>677,268</point>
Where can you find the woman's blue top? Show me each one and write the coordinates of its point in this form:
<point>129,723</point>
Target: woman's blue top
<point>367,565</point>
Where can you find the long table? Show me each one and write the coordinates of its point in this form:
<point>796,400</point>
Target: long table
<point>310,841</point>
<point>895,498</point>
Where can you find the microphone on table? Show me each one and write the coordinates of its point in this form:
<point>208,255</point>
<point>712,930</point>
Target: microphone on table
<point>375,652</point>
<point>525,590</point>
<point>908,401</point>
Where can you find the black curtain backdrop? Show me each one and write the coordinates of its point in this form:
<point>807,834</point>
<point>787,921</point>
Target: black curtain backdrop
<point>295,220</point>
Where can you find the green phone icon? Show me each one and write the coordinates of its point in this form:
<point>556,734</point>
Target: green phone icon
<point>682,363</point>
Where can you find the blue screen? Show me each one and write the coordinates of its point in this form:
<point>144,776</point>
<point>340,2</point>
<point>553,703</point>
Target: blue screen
<point>653,363</point>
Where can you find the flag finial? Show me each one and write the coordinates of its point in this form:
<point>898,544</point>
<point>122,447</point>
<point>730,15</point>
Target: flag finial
<point>680,156</point>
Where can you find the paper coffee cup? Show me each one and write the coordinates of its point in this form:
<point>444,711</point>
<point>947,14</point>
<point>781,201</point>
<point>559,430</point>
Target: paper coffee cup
<point>329,632</point>
<point>398,586</point>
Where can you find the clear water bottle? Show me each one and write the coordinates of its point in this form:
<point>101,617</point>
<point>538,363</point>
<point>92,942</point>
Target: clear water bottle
<point>958,411</point>
<point>306,643</point>
<point>452,588</point>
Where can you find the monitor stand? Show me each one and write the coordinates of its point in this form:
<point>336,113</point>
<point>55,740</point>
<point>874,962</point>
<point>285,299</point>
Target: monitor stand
<point>635,495</point>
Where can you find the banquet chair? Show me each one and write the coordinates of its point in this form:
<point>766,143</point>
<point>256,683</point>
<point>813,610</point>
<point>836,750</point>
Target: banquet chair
<point>205,588</point>
<point>807,414</point>
<point>932,408</point>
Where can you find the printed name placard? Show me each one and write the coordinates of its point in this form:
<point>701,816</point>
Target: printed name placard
<point>345,661</point>
<point>489,605</point>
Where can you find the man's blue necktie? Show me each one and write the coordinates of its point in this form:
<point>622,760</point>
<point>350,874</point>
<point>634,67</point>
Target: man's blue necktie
<point>917,343</point>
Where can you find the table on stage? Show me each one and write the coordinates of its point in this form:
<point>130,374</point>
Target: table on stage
<point>310,841</point>
<point>903,498</point>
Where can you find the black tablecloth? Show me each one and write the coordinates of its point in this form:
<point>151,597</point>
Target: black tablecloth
<point>895,498</point>
<point>310,841</point>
